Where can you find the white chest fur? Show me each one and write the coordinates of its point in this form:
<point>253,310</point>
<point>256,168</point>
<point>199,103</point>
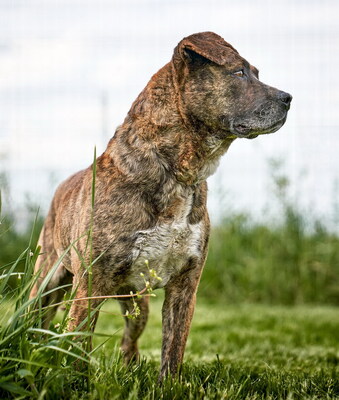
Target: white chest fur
<point>166,248</point>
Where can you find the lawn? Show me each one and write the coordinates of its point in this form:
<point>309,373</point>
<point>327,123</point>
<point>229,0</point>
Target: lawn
<point>247,351</point>
<point>235,352</point>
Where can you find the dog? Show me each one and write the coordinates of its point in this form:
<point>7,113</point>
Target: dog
<point>149,210</point>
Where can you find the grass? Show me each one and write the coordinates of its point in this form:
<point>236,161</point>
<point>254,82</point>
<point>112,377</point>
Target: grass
<point>227,329</point>
<point>266,324</point>
<point>237,352</point>
<point>233,352</point>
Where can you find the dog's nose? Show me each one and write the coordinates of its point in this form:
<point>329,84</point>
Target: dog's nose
<point>285,98</point>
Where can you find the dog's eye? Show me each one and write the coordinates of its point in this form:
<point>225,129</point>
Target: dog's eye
<point>239,73</point>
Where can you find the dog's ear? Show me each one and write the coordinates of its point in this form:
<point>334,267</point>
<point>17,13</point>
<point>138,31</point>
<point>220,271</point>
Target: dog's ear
<point>202,46</point>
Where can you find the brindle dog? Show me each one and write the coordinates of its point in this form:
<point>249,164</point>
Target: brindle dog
<point>150,193</point>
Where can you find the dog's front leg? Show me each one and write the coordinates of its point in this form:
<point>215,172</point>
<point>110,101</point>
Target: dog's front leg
<point>133,327</point>
<point>177,313</point>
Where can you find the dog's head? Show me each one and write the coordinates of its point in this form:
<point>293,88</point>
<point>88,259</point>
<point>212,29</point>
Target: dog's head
<point>220,89</point>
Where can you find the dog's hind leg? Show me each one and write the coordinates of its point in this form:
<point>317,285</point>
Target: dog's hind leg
<point>83,315</point>
<point>61,277</point>
<point>134,326</point>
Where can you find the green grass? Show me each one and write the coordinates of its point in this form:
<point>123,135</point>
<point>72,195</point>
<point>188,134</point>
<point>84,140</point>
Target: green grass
<point>237,352</point>
<point>233,351</point>
<point>266,324</point>
<point>236,332</point>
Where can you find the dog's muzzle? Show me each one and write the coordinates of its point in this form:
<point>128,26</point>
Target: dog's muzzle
<point>266,118</point>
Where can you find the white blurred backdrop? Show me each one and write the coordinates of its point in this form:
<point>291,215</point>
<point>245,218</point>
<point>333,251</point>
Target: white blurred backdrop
<point>70,69</point>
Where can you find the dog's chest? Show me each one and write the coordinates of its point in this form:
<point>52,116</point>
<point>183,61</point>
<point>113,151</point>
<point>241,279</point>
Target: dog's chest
<point>164,250</point>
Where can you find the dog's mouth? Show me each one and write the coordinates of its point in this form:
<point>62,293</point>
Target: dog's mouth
<point>244,130</point>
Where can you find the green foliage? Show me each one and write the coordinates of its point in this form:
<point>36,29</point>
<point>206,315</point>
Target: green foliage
<point>292,261</point>
<point>14,241</point>
<point>284,265</point>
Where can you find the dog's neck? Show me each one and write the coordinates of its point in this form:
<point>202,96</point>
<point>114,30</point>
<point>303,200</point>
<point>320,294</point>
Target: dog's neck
<point>157,141</point>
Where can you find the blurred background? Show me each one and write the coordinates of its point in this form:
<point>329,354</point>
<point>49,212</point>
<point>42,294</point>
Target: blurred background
<point>70,69</point>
